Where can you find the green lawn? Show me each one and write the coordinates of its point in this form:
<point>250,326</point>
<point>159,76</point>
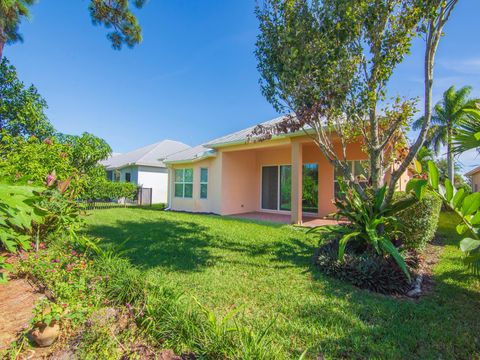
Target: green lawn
<point>227,262</point>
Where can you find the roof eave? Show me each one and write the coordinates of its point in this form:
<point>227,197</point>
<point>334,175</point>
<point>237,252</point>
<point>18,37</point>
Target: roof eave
<point>274,137</point>
<point>187,161</point>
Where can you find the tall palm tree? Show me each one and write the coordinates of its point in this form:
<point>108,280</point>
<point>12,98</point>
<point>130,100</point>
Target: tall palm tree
<point>446,118</point>
<point>468,133</point>
<point>11,14</point>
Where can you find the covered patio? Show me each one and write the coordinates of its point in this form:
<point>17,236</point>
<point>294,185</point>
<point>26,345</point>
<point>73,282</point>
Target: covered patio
<point>307,221</point>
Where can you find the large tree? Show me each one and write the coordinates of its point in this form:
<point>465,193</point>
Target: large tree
<point>447,116</point>
<point>329,62</point>
<point>22,108</point>
<point>116,15</point>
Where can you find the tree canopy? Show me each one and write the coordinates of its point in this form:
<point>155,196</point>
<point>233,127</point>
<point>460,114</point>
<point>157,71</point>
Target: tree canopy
<point>115,15</point>
<point>22,108</point>
<point>328,64</point>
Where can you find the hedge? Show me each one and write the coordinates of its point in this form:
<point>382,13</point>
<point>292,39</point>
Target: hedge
<point>108,190</point>
<point>418,223</point>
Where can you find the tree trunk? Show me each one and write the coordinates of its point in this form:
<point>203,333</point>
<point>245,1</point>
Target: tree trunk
<point>450,162</point>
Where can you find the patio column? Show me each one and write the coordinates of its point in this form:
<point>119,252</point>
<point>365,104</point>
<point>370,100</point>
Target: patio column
<point>296,196</point>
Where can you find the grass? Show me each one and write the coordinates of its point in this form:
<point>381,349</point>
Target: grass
<point>227,262</point>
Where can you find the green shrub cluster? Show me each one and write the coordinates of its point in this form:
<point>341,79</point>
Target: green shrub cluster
<point>366,270</point>
<point>103,189</point>
<point>418,223</point>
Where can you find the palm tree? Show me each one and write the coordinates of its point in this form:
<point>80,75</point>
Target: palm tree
<point>447,116</point>
<point>11,14</point>
<point>468,133</point>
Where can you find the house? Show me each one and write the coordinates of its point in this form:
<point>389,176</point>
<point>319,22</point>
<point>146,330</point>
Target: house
<point>474,176</point>
<point>144,167</point>
<point>284,175</point>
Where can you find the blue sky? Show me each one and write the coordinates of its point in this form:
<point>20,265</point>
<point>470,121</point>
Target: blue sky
<point>194,76</point>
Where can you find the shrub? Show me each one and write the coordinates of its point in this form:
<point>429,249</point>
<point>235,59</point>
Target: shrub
<point>418,223</point>
<point>103,189</point>
<point>366,270</point>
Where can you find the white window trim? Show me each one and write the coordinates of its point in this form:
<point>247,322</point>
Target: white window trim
<point>203,183</point>
<point>183,182</point>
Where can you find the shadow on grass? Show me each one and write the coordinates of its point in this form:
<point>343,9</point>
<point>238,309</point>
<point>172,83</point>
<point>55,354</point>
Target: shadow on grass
<point>176,245</point>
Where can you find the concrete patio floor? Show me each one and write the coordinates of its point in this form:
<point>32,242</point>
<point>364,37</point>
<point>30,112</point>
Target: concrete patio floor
<point>307,221</point>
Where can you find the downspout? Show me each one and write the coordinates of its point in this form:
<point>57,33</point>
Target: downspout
<point>169,191</point>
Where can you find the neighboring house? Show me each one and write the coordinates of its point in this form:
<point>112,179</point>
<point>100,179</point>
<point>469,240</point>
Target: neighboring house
<point>474,176</point>
<point>231,175</point>
<point>144,167</point>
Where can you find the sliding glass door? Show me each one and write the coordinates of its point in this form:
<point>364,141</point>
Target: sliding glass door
<point>310,188</point>
<point>277,188</point>
<point>270,187</point>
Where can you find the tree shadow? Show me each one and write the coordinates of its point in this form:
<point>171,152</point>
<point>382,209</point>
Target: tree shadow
<point>174,245</point>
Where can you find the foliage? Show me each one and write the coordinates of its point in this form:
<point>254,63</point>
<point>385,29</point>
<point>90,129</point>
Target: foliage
<point>83,283</point>
<point>70,157</point>
<point>87,151</point>
<point>418,223</point>
<point>467,135</point>
<point>368,220</point>
<point>447,116</point>
<point>22,109</point>
<point>47,313</point>
<point>4,266</point>
<point>467,207</point>
<point>17,219</point>
<point>31,160</point>
<point>329,62</point>
<point>114,14</point>
<point>363,269</point>
<point>12,12</point>
<point>99,188</point>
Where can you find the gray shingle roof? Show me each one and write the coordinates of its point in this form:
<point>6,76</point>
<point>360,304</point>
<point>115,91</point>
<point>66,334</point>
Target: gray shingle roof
<point>150,155</point>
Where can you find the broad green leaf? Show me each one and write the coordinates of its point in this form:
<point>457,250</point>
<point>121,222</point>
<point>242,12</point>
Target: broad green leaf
<point>343,243</point>
<point>475,220</point>
<point>418,166</point>
<point>433,175</point>
<point>458,198</point>
<point>387,246</point>
<point>418,186</point>
<point>379,197</point>
<point>448,190</point>
<point>471,204</point>
<point>469,244</point>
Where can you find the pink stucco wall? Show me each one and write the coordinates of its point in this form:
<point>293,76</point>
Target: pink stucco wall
<point>235,176</point>
<point>241,174</point>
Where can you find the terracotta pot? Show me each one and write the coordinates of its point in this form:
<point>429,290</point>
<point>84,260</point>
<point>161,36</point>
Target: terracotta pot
<point>44,335</point>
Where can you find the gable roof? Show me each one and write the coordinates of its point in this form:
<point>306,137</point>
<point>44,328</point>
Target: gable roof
<point>150,155</point>
<point>473,171</point>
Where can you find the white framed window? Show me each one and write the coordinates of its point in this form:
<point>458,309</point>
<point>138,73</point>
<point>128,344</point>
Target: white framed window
<point>183,183</point>
<point>359,169</point>
<point>203,183</point>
